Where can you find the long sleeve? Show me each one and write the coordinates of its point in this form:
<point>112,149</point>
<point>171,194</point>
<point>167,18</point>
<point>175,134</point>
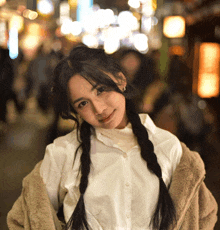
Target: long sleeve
<point>33,209</point>
<point>208,208</point>
<point>16,217</point>
<point>51,174</point>
<point>57,163</point>
<point>196,207</point>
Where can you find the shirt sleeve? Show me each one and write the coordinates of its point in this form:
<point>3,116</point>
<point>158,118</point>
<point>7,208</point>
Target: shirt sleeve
<point>58,161</point>
<point>169,153</point>
<point>50,171</point>
<point>176,154</point>
<point>167,147</point>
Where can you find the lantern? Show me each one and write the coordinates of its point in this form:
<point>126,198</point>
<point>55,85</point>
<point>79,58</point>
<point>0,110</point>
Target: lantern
<point>208,75</point>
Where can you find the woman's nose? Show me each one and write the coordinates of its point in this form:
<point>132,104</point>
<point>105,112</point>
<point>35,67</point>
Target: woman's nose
<point>99,106</point>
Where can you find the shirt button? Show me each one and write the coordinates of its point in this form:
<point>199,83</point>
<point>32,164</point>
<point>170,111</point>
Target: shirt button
<point>127,184</point>
<point>128,216</point>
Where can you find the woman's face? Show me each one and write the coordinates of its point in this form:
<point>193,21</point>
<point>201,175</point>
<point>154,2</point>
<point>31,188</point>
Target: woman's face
<point>95,105</point>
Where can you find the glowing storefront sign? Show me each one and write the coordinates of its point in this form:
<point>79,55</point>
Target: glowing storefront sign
<point>208,78</point>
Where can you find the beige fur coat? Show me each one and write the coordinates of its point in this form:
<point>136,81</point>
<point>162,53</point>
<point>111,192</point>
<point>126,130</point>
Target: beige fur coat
<point>196,207</point>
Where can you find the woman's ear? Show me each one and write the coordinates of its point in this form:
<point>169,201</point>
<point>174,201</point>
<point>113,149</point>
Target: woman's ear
<point>122,81</point>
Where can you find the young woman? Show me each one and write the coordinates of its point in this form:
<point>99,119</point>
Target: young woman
<point>117,170</point>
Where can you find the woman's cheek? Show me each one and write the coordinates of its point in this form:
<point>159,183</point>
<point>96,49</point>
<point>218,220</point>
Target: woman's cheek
<point>114,97</point>
<point>85,112</point>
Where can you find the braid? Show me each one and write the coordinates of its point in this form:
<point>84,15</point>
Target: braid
<point>85,134</point>
<point>78,219</point>
<point>165,211</point>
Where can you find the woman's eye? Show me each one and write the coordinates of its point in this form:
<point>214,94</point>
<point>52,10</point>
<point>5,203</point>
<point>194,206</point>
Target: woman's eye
<point>82,104</point>
<point>101,90</point>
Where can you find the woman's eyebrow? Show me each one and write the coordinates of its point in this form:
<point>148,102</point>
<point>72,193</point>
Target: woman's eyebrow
<point>77,100</point>
<point>81,98</point>
<point>94,86</point>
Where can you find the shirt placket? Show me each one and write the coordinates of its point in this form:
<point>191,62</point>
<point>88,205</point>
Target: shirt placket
<point>127,188</point>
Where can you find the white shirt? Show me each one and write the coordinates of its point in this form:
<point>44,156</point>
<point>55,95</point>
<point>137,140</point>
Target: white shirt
<point>122,193</point>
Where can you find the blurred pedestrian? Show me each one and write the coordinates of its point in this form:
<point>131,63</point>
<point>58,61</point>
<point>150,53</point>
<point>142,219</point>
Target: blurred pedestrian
<point>140,72</point>
<point>39,75</point>
<point>178,108</point>
<point>7,92</point>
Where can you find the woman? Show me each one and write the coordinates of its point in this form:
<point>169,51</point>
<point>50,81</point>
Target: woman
<point>117,170</point>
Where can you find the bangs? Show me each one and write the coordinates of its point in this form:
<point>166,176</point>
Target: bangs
<point>98,77</point>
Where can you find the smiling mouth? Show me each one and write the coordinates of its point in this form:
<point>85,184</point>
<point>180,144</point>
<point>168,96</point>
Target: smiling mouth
<point>106,119</point>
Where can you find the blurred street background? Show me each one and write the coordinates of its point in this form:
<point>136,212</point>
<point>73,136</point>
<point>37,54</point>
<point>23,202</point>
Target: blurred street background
<point>168,49</point>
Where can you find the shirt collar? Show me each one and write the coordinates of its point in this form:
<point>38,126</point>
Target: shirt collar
<point>147,122</point>
<point>103,136</point>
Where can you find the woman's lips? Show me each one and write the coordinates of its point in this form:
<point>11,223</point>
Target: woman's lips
<point>107,118</point>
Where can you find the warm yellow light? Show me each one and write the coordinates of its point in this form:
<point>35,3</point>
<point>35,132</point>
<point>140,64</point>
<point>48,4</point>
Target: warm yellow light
<point>208,85</point>
<point>111,40</point>
<point>16,21</point>
<point>90,40</point>
<point>3,33</point>
<point>34,29</point>
<point>45,7</point>
<point>154,4</point>
<point>2,2</point>
<point>149,7</point>
<point>174,27</point>
<point>30,42</point>
<point>134,3</point>
<point>30,14</point>
<point>208,77</point>
<point>72,3</point>
<point>177,50</point>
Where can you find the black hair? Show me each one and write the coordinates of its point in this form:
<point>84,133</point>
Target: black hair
<point>145,73</point>
<point>165,208</point>
<point>93,65</point>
